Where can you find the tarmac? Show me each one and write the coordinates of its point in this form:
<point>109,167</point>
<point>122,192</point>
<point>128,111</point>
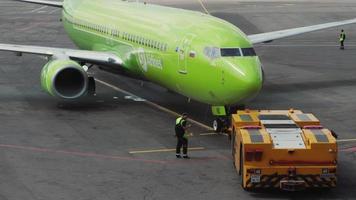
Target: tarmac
<point>119,145</point>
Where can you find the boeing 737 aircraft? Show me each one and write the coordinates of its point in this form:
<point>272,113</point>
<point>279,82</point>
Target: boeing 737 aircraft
<point>194,54</point>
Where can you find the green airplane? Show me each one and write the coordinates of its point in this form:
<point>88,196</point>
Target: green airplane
<point>194,54</point>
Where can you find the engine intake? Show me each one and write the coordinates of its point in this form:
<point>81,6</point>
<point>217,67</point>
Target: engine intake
<point>65,79</point>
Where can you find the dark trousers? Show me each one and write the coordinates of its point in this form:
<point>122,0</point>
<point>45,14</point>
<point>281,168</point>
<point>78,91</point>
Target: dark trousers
<point>342,44</point>
<point>181,141</point>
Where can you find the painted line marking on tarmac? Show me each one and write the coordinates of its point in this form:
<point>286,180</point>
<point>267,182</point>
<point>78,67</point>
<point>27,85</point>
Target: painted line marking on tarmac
<point>55,10</point>
<point>346,140</point>
<point>81,154</point>
<point>349,149</point>
<point>38,9</point>
<point>152,104</point>
<point>31,26</point>
<point>32,149</point>
<point>206,134</point>
<point>202,5</point>
<point>164,150</point>
<point>134,98</point>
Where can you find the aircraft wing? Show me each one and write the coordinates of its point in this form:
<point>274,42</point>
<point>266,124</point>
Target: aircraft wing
<point>270,36</point>
<point>43,2</point>
<point>81,55</point>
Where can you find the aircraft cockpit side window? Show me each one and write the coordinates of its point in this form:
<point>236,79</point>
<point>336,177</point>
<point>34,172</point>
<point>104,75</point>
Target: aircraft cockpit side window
<point>230,52</point>
<point>212,52</point>
<point>248,51</point>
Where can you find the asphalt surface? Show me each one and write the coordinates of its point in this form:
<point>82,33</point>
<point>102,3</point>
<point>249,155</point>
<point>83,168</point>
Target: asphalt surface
<point>59,150</point>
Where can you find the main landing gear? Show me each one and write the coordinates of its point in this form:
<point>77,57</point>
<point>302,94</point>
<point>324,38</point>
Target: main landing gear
<point>91,86</point>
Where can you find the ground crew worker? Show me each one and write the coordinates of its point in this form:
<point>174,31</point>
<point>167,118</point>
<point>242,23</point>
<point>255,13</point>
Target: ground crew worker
<point>182,136</point>
<point>342,39</point>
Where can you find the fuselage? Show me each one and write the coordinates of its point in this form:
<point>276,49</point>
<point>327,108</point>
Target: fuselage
<point>199,56</point>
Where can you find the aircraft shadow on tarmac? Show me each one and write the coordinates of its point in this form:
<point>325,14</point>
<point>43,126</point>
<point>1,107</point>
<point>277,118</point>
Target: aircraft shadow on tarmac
<point>99,103</point>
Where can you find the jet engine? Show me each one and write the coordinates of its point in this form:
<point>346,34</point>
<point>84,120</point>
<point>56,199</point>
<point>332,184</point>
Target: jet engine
<point>65,79</point>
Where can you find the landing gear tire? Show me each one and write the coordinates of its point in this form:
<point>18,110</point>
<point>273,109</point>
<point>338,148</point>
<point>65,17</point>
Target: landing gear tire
<point>221,124</point>
<point>91,86</point>
<point>218,125</point>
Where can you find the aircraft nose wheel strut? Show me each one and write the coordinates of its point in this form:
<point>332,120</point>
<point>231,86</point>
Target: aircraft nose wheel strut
<point>220,125</point>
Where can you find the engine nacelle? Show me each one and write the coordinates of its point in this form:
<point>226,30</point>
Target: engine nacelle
<point>64,79</point>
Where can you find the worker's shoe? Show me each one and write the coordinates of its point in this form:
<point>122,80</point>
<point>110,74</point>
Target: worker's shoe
<point>186,157</point>
<point>178,156</point>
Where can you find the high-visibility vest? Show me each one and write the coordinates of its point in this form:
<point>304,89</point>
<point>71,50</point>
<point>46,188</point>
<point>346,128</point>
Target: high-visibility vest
<point>179,121</point>
<point>342,37</point>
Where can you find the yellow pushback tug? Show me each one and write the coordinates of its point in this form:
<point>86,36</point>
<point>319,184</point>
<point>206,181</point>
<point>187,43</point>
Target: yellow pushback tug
<point>284,149</point>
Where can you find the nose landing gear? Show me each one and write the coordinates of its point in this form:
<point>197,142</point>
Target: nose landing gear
<point>222,122</point>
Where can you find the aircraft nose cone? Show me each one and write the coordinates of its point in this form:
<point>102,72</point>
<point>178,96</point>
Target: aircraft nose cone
<point>245,80</point>
<point>251,82</point>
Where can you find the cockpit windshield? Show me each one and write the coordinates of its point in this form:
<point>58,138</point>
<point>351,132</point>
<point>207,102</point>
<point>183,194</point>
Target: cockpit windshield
<point>233,52</point>
<point>215,52</point>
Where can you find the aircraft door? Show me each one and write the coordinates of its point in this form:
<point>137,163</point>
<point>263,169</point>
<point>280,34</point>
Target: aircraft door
<point>183,53</point>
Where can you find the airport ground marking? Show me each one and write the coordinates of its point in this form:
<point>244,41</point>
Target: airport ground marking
<point>208,134</point>
<point>77,153</point>
<point>54,10</point>
<point>38,9</point>
<point>152,104</point>
<point>202,5</point>
<point>346,140</point>
<point>164,150</point>
<point>31,26</point>
<point>31,149</point>
<point>205,134</point>
<point>349,149</point>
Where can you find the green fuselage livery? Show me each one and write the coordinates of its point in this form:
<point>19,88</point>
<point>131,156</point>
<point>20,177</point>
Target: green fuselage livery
<point>197,55</point>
